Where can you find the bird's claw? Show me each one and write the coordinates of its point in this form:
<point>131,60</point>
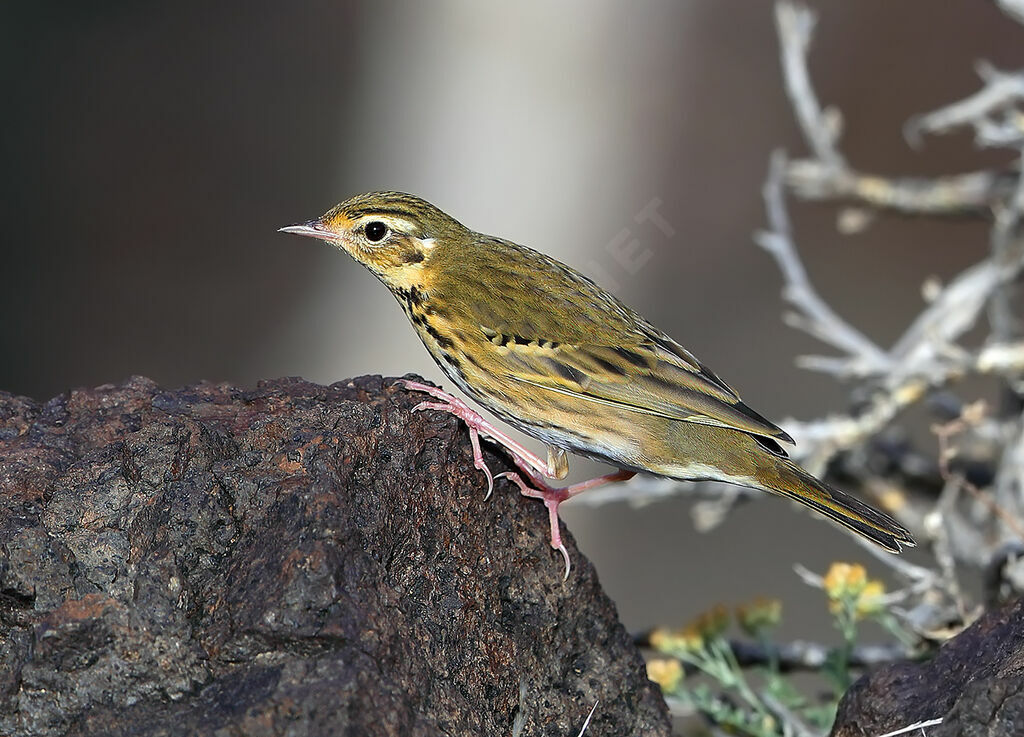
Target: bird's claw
<point>568,566</point>
<point>453,406</point>
<point>481,465</point>
<point>551,498</point>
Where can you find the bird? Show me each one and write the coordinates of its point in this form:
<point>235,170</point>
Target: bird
<point>551,353</point>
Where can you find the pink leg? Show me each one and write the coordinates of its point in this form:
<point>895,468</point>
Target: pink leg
<point>554,497</point>
<point>529,463</point>
<point>474,440</point>
<point>524,457</point>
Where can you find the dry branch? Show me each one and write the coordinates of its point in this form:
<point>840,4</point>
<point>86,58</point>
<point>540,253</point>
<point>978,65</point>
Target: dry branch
<point>929,355</point>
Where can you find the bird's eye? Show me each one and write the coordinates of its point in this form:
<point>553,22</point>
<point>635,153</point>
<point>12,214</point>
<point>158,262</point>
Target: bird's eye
<point>375,231</point>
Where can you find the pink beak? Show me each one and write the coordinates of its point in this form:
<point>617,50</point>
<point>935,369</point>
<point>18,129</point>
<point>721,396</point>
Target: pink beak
<point>313,229</point>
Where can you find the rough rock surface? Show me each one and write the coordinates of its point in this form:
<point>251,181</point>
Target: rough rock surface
<point>975,684</point>
<point>293,559</point>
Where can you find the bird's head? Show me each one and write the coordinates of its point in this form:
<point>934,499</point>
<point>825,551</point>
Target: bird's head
<point>391,233</point>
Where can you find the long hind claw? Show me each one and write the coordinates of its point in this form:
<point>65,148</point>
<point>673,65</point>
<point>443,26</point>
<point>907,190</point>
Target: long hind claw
<point>474,439</point>
<point>568,566</point>
<point>479,463</point>
<point>552,498</point>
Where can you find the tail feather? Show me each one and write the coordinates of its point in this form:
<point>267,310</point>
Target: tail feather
<point>791,481</point>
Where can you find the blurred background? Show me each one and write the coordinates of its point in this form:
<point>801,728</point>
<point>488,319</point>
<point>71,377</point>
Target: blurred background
<point>153,149</point>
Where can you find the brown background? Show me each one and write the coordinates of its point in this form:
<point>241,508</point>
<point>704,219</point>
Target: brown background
<point>151,150</point>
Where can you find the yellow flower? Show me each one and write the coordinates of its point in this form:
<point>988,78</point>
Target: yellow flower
<point>691,638</point>
<point>666,672</point>
<point>871,599</point>
<point>759,615</point>
<point>845,580</point>
<point>660,639</point>
<point>848,586</point>
<point>687,639</point>
<point>712,623</point>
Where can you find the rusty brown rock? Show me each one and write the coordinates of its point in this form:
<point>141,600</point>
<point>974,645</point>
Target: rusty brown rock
<point>975,684</point>
<point>294,559</point>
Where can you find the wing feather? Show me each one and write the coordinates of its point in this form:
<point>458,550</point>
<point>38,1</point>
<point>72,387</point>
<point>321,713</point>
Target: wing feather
<point>655,385</point>
<point>586,343</point>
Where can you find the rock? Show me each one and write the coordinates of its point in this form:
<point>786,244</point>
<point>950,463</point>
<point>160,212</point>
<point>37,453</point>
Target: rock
<point>975,683</point>
<point>294,559</point>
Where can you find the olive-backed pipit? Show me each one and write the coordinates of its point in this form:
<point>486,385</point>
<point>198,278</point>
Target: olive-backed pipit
<point>550,352</point>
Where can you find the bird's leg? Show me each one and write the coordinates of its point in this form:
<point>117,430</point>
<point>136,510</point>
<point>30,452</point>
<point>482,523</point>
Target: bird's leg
<point>553,497</point>
<point>556,465</point>
<point>536,469</point>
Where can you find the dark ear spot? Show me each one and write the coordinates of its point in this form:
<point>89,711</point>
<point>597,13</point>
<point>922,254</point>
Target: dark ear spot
<point>770,445</point>
<point>415,257</point>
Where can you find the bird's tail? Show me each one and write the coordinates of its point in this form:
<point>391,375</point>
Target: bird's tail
<point>789,480</point>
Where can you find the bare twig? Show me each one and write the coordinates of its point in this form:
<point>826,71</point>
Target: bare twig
<point>800,655</point>
<point>902,389</point>
<point>973,193</point>
<point>795,25</point>
<point>1001,358</point>
<point>926,346</point>
<point>519,723</point>
<point>814,316</point>
<point>1013,8</point>
<point>928,356</point>
<point>938,531</point>
<point>911,728</point>
<point>1009,482</point>
<point>642,490</point>
<point>1004,234</point>
<point>827,175</point>
<point>590,716</point>
<point>947,451</point>
<point>1006,248</point>
<point>1000,92</point>
<point>999,572</point>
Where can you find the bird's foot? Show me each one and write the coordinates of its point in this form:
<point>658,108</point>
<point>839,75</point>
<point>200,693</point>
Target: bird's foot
<point>530,462</point>
<point>455,406</point>
<point>553,497</point>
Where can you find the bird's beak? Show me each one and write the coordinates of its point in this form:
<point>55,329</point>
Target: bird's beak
<point>313,229</point>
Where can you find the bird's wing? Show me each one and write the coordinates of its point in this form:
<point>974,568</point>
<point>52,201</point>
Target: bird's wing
<point>565,334</point>
<point>645,378</point>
